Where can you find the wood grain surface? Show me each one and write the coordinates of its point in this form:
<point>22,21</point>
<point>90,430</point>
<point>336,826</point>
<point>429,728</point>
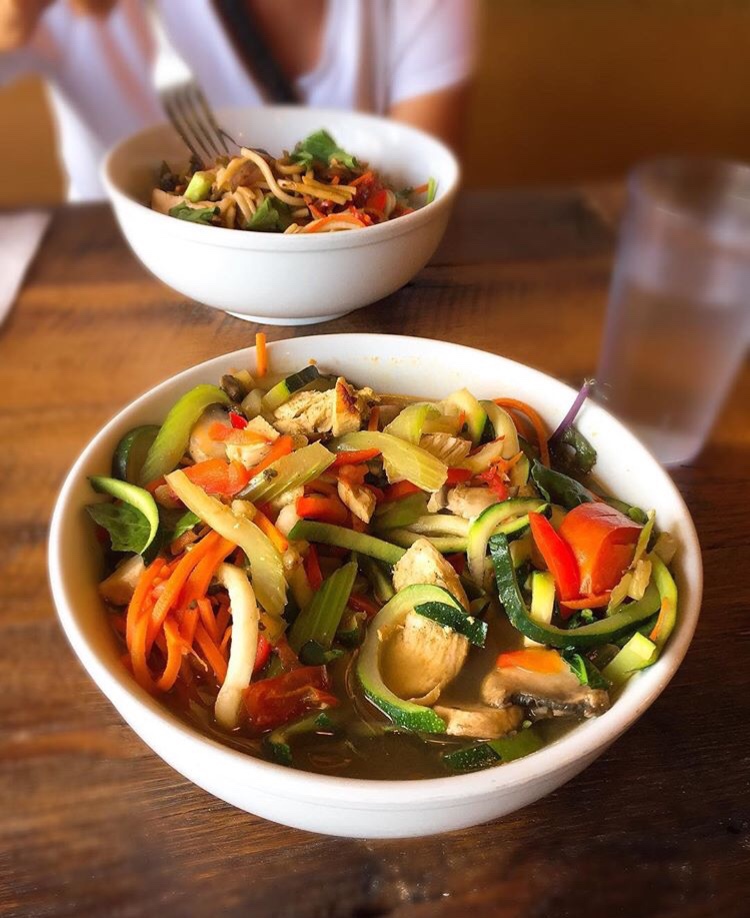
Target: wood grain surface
<point>92,823</point>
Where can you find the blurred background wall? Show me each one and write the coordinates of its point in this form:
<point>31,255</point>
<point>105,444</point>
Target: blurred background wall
<point>566,90</point>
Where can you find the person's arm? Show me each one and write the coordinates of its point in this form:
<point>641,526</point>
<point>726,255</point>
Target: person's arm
<point>442,113</point>
<point>19,18</point>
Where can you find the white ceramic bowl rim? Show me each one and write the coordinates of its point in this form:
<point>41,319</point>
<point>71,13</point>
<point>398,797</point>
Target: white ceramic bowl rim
<point>388,794</point>
<point>230,238</point>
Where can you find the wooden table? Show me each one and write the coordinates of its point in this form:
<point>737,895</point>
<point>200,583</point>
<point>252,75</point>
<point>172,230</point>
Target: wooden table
<point>92,823</point>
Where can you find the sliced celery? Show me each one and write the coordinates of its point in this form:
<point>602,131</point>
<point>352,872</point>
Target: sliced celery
<point>320,620</point>
<point>290,471</point>
<point>406,461</point>
<point>409,423</point>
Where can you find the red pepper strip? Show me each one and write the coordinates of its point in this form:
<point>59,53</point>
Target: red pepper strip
<point>536,660</point>
<point>457,562</point>
<point>262,653</point>
<point>399,490</point>
<point>325,509</point>
<point>588,602</point>
<point>237,421</point>
<point>353,457</point>
<point>603,541</point>
<point>495,480</point>
<point>558,556</point>
<point>312,568</point>
<point>352,474</point>
<point>273,702</point>
<point>216,476</point>
<point>281,447</point>
<point>456,476</point>
<point>361,603</point>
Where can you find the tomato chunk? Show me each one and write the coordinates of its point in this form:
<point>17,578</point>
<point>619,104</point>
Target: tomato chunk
<point>275,701</point>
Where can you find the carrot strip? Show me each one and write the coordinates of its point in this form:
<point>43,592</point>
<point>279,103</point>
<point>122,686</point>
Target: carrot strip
<point>533,415</point>
<point>354,457</point>
<point>588,602</point>
<point>176,582</point>
<point>174,656</point>
<point>277,538</point>
<point>225,640</point>
<point>142,591</point>
<point>312,568</point>
<point>281,447</point>
<point>207,617</point>
<point>536,660</point>
<point>374,420</point>
<point>368,176</point>
<point>138,654</point>
<point>261,355</point>
<point>211,653</point>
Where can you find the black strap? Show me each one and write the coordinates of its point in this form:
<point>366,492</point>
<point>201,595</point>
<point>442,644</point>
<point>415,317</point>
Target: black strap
<point>255,53</point>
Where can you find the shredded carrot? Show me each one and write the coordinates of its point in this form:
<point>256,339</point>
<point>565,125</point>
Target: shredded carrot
<point>281,447</point>
<point>179,544</point>
<point>537,660</point>
<point>277,538</point>
<point>261,355</point>
<point>664,612</point>
<point>374,420</point>
<point>318,214</point>
<point>223,647</point>
<point>312,568</point>
<point>207,617</point>
<point>211,653</point>
<point>533,415</point>
<point>174,656</point>
<point>197,585</point>
<point>142,591</point>
<point>176,582</point>
<point>368,176</point>
<point>319,225</point>
<point>138,654</point>
<point>223,613</point>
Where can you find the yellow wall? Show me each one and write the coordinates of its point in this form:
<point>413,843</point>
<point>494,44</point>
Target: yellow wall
<point>566,90</point>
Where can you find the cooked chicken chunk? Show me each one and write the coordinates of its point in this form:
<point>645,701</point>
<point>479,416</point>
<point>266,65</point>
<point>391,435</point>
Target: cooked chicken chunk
<point>119,587</point>
<point>438,500</point>
<point>250,454</point>
<point>468,501</point>
<point>547,695</point>
<point>360,500</point>
<point>201,446</point>
<point>422,657</point>
<point>423,563</point>
<point>314,414</point>
<point>451,450</point>
<point>479,721</point>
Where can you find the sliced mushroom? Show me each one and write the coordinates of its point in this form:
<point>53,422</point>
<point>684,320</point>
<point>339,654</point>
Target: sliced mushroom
<point>545,694</point>
<point>468,502</point>
<point>480,721</point>
<point>201,445</point>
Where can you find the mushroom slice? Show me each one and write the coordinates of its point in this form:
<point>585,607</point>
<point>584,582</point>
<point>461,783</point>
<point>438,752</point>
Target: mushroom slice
<point>201,445</point>
<point>244,645</point>
<point>544,694</point>
<point>480,721</point>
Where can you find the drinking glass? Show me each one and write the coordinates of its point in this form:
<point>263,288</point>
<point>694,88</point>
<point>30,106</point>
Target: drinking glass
<point>678,319</point>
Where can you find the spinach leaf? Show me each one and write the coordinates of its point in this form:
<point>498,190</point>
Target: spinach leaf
<point>584,669</point>
<point>558,488</point>
<point>128,528</point>
<point>573,452</point>
<point>194,214</point>
<point>321,147</point>
<point>273,216</point>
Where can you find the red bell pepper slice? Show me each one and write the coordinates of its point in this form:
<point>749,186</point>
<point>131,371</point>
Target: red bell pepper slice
<point>237,421</point>
<point>219,477</point>
<point>262,653</point>
<point>558,556</point>
<point>603,541</point>
<point>399,490</point>
<point>312,568</point>
<point>325,509</point>
<point>275,701</point>
<point>457,476</point>
<point>353,457</point>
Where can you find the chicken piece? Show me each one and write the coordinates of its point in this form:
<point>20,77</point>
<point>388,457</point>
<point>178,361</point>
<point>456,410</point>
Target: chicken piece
<point>360,500</point>
<point>351,407</point>
<point>338,411</point>
<point>421,657</point>
<point>119,587</point>
<point>468,501</point>
<point>250,454</point>
<point>545,694</point>
<point>201,446</point>
<point>450,450</point>
<point>423,563</point>
<point>438,500</point>
<point>479,721</point>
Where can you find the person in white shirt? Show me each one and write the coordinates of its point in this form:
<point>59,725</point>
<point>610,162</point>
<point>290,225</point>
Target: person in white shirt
<point>409,59</point>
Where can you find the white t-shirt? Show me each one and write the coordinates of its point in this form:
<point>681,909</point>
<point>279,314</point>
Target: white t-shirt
<point>375,53</point>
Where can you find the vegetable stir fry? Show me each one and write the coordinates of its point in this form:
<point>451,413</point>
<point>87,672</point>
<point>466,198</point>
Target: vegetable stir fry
<point>317,188</point>
<point>360,583</point>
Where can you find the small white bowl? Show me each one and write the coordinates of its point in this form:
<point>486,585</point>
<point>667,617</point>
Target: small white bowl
<point>273,278</point>
<point>345,806</point>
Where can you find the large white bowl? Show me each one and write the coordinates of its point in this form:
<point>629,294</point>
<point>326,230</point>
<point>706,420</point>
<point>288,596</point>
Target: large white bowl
<point>269,277</point>
<point>345,806</point>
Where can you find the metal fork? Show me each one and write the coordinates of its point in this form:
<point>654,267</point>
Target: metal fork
<point>182,98</point>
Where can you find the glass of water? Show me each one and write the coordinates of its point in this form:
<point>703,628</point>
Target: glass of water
<point>678,319</point>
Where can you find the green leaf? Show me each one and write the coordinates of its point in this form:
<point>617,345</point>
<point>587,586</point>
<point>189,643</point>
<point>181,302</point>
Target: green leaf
<point>273,216</point>
<point>194,214</point>
<point>321,147</point>
<point>128,528</point>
